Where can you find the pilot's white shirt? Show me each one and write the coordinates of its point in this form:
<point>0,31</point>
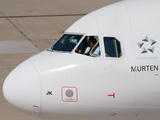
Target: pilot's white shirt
<point>96,52</point>
<point>87,50</point>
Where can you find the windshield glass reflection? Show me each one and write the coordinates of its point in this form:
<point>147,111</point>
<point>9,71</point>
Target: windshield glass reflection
<point>66,43</point>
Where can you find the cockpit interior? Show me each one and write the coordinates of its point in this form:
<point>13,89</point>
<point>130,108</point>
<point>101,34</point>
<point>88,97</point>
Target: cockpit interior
<point>88,45</point>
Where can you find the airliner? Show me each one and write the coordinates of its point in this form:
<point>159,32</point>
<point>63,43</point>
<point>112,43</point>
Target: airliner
<point>104,67</point>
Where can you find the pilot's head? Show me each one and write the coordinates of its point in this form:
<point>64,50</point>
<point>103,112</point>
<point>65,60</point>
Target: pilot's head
<point>92,41</point>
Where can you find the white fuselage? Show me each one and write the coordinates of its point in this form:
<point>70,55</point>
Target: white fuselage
<point>68,85</point>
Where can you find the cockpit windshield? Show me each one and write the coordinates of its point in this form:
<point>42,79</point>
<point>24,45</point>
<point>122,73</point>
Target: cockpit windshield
<point>66,43</point>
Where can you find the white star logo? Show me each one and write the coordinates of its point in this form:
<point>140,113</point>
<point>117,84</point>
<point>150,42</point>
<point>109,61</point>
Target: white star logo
<point>148,49</point>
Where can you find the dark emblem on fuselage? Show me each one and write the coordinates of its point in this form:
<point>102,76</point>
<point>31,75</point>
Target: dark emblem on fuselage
<point>49,93</point>
<point>147,48</point>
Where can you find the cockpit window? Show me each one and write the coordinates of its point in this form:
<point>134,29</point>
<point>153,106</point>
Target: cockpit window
<point>89,46</point>
<point>112,47</point>
<point>66,43</point>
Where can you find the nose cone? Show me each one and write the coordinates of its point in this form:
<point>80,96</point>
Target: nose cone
<point>22,88</point>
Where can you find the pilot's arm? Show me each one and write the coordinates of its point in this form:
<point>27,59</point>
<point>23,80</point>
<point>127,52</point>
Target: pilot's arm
<point>74,41</point>
<point>87,51</point>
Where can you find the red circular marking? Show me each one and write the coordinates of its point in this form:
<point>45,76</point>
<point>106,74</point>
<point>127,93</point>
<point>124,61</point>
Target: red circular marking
<point>70,91</point>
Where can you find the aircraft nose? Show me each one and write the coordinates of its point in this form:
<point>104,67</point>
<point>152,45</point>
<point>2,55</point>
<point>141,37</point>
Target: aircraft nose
<point>22,89</point>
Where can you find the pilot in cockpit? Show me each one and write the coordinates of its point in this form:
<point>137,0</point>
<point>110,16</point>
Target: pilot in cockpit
<point>89,46</point>
<point>92,41</point>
